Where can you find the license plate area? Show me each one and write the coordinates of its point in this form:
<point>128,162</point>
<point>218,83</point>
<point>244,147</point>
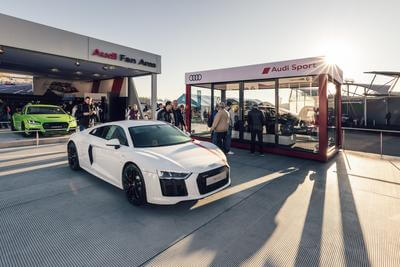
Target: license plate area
<point>216,178</point>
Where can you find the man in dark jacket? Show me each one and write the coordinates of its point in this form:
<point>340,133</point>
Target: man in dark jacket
<point>165,113</point>
<point>84,114</point>
<point>178,117</point>
<point>256,121</point>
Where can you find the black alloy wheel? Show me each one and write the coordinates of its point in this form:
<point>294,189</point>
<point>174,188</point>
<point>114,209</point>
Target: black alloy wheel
<point>133,184</point>
<point>73,159</point>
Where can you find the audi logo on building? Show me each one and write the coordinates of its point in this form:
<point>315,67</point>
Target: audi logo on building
<point>195,77</point>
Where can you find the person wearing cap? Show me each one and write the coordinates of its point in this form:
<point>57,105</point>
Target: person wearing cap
<point>256,121</point>
<point>220,126</point>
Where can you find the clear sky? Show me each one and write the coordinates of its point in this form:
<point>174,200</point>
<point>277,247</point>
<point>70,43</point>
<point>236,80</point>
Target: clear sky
<point>361,35</point>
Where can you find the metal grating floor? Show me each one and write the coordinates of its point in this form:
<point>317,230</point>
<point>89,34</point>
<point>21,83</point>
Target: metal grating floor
<point>279,211</point>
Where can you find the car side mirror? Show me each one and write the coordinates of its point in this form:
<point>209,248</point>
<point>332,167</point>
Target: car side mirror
<point>114,142</point>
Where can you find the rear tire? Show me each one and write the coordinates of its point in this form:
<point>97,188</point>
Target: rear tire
<point>133,185</point>
<point>73,160</point>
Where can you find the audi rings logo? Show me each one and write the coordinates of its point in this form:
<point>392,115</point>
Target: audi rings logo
<point>195,77</point>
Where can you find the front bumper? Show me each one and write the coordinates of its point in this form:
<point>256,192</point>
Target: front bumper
<point>52,127</point>
<point>195,188</point>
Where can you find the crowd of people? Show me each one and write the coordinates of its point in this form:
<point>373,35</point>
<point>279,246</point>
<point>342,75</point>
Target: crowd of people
<point>222,121</point>
<point>172,113</point>
<point>89,112</point>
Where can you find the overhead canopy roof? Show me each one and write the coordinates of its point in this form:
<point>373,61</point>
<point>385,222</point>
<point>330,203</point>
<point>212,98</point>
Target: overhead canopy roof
<point>15,60</point>
<point>304,67</point>
<point>376,88</point>
<point>39,50</point>
<point>385,73</point>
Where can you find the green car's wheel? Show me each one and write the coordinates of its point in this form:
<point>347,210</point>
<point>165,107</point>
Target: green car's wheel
<point>23,128</point>
<point>12,125</point>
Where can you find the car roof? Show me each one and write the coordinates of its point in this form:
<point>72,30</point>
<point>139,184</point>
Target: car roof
<point>133,123</point>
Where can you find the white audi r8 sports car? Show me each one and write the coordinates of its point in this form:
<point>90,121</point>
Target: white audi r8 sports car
<point>151,161</point>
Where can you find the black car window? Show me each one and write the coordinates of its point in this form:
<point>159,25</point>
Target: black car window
<point>157,135</point>
<point>118,133</point>
<point>100,132</point>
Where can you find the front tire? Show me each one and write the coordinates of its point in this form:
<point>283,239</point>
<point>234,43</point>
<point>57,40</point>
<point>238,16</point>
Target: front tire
<point>12,125</point>
<point>73,160</point>
<point>25,133</point>
<point>133,185</point>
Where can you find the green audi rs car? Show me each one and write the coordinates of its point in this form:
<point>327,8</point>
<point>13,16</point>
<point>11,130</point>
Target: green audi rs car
<point>43,118</point>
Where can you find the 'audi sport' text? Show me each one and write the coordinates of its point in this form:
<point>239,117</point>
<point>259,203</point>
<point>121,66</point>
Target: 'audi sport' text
<point>293,67</point>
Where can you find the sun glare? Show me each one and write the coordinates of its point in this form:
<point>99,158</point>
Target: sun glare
<point>331,59</point>
<point>336,53</point>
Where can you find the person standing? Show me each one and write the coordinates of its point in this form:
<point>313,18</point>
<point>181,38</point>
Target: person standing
<point>84,114</point>
<point>210,123</point>
<point>182,109</point>
<point>220,126</point>
<point>127,112</point>
<point>178,117</point>
<point>158,109</point>
<point>103,109</point>
<point>134,113</point>
<point>256,121</point>
<point>230,128</point>
<point>165,113</point>
<point>93,113</point>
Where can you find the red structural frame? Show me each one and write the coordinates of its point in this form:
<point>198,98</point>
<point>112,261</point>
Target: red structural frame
<point>324,153</point>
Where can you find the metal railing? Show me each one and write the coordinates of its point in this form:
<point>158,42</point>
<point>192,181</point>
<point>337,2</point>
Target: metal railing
<point>36,134</point>
<point>370,142</point>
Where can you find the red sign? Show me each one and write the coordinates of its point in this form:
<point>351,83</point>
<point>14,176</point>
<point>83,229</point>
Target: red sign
<point>121,57</point>
<point>266,70</point>
<point>98,52</point>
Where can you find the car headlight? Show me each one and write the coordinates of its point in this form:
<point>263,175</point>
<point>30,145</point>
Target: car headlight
<point>173,175</point>
<point>33,122</point>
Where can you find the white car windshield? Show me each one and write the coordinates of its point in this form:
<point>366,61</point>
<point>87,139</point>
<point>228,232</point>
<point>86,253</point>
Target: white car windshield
<point>157,135</point>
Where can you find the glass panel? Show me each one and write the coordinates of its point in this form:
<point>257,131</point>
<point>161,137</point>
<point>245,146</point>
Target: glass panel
<point>331,115</point>
<point>227,86</point>
<point>201,109</point>
<point>232,96</point>
<point>299,113</point>
<point>261,93</point>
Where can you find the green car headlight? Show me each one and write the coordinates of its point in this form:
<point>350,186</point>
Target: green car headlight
<point>33,122</point>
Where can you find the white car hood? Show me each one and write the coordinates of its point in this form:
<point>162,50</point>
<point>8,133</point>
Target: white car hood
<point>192,157</point>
